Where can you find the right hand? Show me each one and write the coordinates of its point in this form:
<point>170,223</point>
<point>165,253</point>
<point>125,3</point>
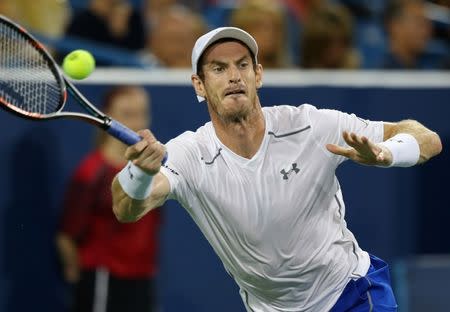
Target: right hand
<point>147,154</point>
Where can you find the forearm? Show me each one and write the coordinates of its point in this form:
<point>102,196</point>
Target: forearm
<point>140,186</point>
<point>429,142</point>
<point>127,209</point>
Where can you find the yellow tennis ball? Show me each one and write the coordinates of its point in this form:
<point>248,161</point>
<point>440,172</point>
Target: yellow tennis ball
<point>79,64</point>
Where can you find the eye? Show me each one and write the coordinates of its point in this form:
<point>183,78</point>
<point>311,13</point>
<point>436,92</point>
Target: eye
<point>218,69</point>
<point>244,64</point>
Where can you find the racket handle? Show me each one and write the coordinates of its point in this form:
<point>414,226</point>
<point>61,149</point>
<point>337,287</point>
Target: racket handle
<point>126,135</point>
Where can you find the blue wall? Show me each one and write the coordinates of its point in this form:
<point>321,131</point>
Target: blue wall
<point>393,212</point>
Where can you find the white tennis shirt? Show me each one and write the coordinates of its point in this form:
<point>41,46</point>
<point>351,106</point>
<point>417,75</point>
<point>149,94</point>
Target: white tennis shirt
<point>276,220</point>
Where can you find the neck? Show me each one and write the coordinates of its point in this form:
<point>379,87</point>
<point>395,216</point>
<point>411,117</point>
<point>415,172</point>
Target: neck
<point>243,136</point>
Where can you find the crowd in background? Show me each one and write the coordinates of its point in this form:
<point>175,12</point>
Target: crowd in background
<point>311,34</point>
<point>305,34</point>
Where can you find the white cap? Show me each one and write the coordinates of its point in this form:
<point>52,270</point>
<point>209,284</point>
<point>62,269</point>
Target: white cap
<point>209,38</point>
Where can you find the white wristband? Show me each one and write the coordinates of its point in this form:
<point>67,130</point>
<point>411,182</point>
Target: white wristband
<point>135,182</point>
<point>404,148</point>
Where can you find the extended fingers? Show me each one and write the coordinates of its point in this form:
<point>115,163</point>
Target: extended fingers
<point>354,140</point>
<point>339,150</point>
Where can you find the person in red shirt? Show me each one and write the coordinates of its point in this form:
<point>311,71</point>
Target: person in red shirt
<point>112,264</point>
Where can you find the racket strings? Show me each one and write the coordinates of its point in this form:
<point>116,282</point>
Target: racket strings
<point>26,79</point>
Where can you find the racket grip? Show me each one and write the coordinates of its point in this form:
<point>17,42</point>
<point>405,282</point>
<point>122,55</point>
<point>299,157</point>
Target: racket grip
<point>126,135</point>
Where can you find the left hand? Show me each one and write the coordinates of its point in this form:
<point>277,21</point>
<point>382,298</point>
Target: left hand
<point>362,150</point>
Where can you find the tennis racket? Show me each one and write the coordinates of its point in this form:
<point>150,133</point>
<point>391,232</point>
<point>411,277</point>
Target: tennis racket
<point>32,85</point>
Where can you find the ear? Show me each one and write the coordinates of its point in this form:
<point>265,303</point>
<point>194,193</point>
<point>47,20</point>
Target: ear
<point>198,85</point>
<point>259,76</point>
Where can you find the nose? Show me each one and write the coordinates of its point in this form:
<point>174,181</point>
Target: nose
<point>235,74</point>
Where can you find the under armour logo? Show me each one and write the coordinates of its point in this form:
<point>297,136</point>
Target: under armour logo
<point>129,172</point>
<point>287,173</point>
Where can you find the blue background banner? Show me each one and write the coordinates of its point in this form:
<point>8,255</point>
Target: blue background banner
<point>394,213</point>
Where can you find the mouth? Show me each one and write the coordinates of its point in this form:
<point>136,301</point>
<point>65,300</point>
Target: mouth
<point>235,92</point>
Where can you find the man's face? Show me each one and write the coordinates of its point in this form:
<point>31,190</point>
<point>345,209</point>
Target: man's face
<point>171,43</point>
<point>413,28</point>
<point>131,109</point>
<point>230,81</point>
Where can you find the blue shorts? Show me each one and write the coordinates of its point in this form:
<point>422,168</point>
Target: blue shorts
<point>371,293</point>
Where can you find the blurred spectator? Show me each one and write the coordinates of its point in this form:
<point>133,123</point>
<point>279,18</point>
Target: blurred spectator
<point>173,36</point>
<point>265,21</point>
<point>439,14</point>
<point>301,9</point>
<point>154,8</point>
<point>111,22</point>
<point>445,3</point>
<point>363,9</point>
<point>112,264</point>
<point>45,17</point>
<point>409,32</point>
<point>9,9</point>
<point>327,41</point>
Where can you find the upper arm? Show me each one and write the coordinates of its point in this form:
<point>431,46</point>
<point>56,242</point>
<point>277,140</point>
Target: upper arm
<point>328,126</point>
<point>390,129</point>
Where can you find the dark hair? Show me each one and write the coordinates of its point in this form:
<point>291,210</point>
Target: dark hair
<point>201,59</point>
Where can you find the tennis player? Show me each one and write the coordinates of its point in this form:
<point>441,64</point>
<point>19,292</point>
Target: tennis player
<point>260,183</point>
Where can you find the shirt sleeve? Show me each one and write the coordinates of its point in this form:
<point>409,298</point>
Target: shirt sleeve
<point>328,126</point>
<point>179,166</point>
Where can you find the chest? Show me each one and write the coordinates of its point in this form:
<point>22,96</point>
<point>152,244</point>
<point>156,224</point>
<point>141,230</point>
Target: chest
<point>279,186</point>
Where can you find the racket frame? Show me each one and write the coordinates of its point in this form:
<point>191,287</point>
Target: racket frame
<point>97,117</point>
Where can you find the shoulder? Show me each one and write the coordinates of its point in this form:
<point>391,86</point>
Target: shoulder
<point>192,139</point>
<point>289,111</point>
<point>194,144</point>
<point>186,154</point>
<point>286,117</point>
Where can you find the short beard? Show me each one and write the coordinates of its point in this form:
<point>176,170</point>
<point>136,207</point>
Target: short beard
<point>235,117</point>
